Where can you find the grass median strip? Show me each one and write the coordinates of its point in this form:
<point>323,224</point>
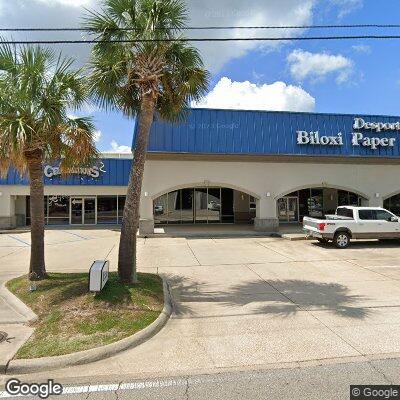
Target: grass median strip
<point>72,319</point>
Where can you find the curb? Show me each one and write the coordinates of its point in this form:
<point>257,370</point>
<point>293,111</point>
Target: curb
<point>199,235</point>
<point>18,305</point>
<point>12,231</point>
<point>26,366</point>
<point>295,237</point>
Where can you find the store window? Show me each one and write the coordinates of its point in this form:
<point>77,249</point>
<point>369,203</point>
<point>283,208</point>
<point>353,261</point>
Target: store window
<point>174,210</point>
<point>252,208</point>
<point>196,205</point>
<point>107,210</point>
<point>348,198</point>
<point>58,210</point>
<point>184,200</point>
<point>393,204</point>
<point>214,205</point>
<point>354,199</point>
<point>161,209</point>
<point>121,205</point>
<point>315,203</point>
<point>201,206</point>
<point>252,203</point>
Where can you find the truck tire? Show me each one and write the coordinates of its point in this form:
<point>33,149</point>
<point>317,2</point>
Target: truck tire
<point>341,240</point>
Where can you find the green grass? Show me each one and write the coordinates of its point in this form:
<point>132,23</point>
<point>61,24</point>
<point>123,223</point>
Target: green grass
<point>72,319</point>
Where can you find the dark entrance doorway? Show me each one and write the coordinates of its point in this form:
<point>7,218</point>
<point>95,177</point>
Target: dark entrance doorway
<point>204,206</point>
<point>314,202</point>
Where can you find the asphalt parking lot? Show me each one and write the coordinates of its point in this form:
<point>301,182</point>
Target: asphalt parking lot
<point>242,303</point>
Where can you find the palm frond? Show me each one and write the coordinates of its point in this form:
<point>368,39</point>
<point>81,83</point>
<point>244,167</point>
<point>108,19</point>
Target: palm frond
<point>122,73</point>
<point>77,145</point>
<point>37,90</point>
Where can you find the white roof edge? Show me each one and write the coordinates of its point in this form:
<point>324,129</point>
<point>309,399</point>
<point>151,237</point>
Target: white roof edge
<point>116,155</point>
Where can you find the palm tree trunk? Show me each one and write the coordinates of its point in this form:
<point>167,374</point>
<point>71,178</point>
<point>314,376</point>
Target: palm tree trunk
<point>127,245</point>
<point>37,269</point>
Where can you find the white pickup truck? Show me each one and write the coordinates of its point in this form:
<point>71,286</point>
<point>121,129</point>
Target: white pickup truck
<point>351,222</point>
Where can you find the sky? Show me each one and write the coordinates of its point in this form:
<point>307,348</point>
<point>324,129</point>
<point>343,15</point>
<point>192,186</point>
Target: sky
<point>352,76</point>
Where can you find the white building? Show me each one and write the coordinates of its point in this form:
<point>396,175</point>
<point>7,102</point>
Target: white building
<point>225,166</point>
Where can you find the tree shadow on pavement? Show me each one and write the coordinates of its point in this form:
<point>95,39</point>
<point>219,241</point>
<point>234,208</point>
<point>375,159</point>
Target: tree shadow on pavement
<point>278,297</point>
<point>305,295</point>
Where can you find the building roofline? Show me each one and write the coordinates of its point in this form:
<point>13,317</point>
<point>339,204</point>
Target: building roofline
<point>295,112</point>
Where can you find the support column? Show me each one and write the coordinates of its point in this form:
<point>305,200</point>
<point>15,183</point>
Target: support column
<point>375,201</point>
<point>266,219</point>
<point>146,222</point>
<point>7,211</point>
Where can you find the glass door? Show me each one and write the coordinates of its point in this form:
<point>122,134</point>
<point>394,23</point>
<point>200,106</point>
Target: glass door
<point>76,207</point>
<point>288,209</point>
<point>292,209</point>
<point>89,214</point>
<point>83,210</point>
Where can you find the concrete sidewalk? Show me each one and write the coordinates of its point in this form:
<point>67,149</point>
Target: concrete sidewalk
<point>14,317</point>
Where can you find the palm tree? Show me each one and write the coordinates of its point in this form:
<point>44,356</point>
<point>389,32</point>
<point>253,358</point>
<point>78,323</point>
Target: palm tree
<point>139,68</point>
<point>37,90</point>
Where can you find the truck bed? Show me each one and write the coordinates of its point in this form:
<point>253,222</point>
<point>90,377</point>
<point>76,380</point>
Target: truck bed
<point>328,217</point>
<point>313,225</point>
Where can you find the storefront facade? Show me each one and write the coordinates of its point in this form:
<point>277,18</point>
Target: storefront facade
<point>225,166</point>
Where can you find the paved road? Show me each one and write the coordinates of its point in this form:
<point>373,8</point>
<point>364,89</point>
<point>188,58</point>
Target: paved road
<point>242,304</point>
<point>328,382</point>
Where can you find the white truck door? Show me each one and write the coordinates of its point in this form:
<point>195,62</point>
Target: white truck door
<point>368,226</point>
<point>389,227</point>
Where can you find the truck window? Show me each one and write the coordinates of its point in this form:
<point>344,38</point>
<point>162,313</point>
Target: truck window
<point>380,215</point>
<point>383,215</point>
<point>345,212</point>
<point>367,214</point>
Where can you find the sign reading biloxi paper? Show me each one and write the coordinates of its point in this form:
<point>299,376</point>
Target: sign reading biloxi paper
<point>357,138</point>
<point>94,171</point>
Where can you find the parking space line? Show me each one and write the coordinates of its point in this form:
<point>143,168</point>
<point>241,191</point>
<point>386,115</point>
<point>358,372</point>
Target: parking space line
<point>112,248</point>
<point>79,236</point>
<point>194,255</point>
<point>20,248</point>
<point>355,264</point>
<point>275,251</point>
<point>19,240</point>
